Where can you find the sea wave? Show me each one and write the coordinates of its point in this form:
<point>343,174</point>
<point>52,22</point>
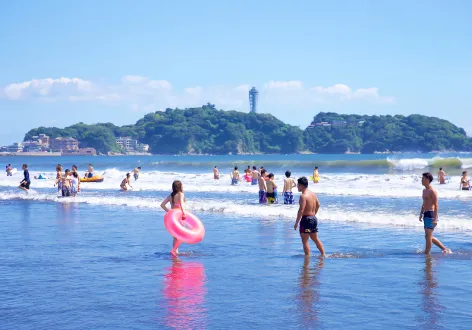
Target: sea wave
<point>247,212</point>
<point>397,164</point>
<point>397,185</point>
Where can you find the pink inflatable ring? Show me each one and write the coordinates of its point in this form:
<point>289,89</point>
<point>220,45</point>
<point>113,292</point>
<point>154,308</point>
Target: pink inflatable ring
<point>192,230</point>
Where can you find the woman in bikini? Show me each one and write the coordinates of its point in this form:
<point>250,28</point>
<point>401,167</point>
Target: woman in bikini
<point>177,201</point>
<point>465,181</point>
<point>126,182</point>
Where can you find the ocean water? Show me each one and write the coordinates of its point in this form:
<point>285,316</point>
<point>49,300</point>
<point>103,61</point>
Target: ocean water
<point>101,260</point>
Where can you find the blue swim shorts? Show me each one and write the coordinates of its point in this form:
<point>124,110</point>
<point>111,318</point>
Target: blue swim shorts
<point>428,220</point>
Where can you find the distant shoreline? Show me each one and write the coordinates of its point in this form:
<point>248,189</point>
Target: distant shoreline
<point>59,154</point>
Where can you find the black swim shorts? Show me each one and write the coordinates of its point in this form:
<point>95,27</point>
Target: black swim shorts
<point>308,225</point>
<point>66,192</point>
<point>25,185</point>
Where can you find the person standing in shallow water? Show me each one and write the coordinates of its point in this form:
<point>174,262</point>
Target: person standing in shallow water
<point>235,176</point>
<point>216,173</point>
<point>429,213</point>
<point>262,188</point>
<point>306,217</point>
<point>25,183</point>
<point>289,184</point>
<point>177,201</point>
<point>441,176</point>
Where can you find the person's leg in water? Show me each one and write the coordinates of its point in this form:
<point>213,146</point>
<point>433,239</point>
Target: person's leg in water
<point>306,243</point>
<point>175,247</point>
<point>430,239</point>
<point>318,243</point>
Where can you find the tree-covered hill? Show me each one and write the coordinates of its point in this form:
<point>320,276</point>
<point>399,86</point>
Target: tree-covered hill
<point>194,130</point>
<point>207,130</point>
<point>379,133</point>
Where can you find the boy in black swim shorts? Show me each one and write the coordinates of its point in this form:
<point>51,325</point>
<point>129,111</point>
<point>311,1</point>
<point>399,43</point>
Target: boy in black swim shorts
<point>25,184</point>
<point>306,217</point>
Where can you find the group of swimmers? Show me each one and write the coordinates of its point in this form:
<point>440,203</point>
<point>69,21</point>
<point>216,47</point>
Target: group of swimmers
<point>127,179</point>
<point>68,182</point>
<point>306,221</point>
<point>266,181</point>
<point>464,182</point>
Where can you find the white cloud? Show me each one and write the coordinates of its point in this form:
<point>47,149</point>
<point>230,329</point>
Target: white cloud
<point>142,94</point>
<point>144,81</point>
<point>343,92</point>
<point>293,84</point>
<point>45,87</point>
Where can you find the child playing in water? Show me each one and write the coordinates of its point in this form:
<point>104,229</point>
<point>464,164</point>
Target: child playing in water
<point>271,190</point>
<point>58,178</point>
<point>136,173</point>
<point>262,188</point>
<point>177,201</point>
<point>289,184</point>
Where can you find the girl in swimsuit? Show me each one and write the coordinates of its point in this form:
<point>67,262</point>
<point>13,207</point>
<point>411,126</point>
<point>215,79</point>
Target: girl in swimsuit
<point>75,170</point>
<point>75,183</point>
<point>58,177</point>
<point>177,201</point>
<point>125,181</point>
<point>465,181</point>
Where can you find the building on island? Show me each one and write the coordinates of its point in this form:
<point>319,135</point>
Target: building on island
<point>15,147</point>
<point>42,139</point>
<point>142,147</point>
<point>80,152</point>
<point>127,143</point>
<point>61,144</point>
<point>32,147</point>
<point>253,100</point>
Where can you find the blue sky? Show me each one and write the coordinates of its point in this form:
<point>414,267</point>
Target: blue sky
<point>62,62</point>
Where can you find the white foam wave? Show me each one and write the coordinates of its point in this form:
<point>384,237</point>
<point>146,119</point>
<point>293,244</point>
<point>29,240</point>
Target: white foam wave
<point>409,164</point>
<point>278,212</point>
<point>392,186</point>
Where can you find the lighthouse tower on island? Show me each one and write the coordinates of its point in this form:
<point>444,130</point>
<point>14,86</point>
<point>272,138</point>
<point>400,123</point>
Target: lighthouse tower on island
<point>253,98</point>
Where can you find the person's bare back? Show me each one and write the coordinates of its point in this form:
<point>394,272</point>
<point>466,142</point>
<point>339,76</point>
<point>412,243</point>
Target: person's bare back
<point>270,186</point>
<point>289,183</point>
<point>311,203</point>
<point>441,176</point>
<point>306,217</point>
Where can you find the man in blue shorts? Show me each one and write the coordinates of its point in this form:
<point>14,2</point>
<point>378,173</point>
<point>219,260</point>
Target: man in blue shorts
<point>255,176</point>
<point>306,217</point>
<point>289,183</point>
<point>429,213</point>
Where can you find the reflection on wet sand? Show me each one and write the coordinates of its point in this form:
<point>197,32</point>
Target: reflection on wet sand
<point>184,291</point>
<point>430,298</point>
<point>308,296</point>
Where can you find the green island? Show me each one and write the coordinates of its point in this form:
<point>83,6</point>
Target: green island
<point>206,130</point>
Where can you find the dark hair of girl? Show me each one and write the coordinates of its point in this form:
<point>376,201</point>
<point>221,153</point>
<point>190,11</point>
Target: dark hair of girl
<point>176,188</point>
